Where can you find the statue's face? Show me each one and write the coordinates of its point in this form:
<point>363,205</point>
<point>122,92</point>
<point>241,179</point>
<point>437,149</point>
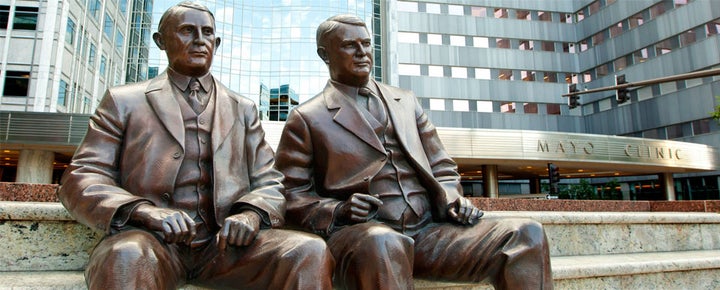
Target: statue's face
<point>189,41</point>
<point>349,55</point>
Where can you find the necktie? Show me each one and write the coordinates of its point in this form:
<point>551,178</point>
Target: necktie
<point>194,97</point>
<point>374,104</point>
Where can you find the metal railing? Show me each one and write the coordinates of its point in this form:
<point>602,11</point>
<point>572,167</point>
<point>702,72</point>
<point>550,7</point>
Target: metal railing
<point>42,128</point>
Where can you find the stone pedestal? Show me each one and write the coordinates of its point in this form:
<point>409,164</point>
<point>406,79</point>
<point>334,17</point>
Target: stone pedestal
<point>35,166</point>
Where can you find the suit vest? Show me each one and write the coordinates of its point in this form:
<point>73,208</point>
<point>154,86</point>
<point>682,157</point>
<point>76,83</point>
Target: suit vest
<point>194,184</point>
<point>406,206</point>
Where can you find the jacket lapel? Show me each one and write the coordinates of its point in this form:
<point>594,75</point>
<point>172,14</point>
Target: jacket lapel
<point>349,117</point>
<point>160,96</point>
<point>225,107</point>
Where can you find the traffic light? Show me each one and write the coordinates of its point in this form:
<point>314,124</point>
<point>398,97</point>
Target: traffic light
<point>554,176</point>
<point>621,95</point>
<point>573,100</point>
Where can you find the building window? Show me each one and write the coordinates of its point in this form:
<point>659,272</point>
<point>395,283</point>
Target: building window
<point>544,16</point>
<point>530,108</point>
<point>616,29</point>
<point>432,8</point>
<point>598,38</point>
<point>523,15</point>
<point>409,69</point>
<point>458,72</point>
<point>480,42</point>
<point>119,41</point>
<point>526,45</point>
<point>527,75</point>
<point>640,56</point>
<point>25,18</point>
<point>502,43</point>
<point>455,10</point>
<point>437,104</point>
<point>666,46</point>
<point>701,126</point>
<point>4,16</point>
<point>549,77</point>
<point>62,93</point>
<point>103,65</point>
<point>70,32</point>
<point>602,70</point>
<point>547,46</point>
<point>594,7</point>
<point>408,37</point>
<point>687,38</point>
<point>461,106</point>
<point>485,106</point>
<point>86,104</point>
<point>108,26</point>
<point>122,5</point>
<point>505,74</point>
<point>507,107</point>
<point>713,28</point>
<point>552,109</point>
<point>657,10</point>
<point>16,83</point>
<point>404,6</point>
<point>94,8</point>
<point>434,39</point>
<point>457,40</point>
<point>636,20</point>
<point>620,63</point>
<point>91,57</point>
<point>435,71</point>
<point>675,131</point>
<point>501,13</point>
<point>482,73</point>
<point>478,11</point>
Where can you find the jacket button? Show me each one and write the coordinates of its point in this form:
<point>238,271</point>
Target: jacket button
<point>176,155</point>
<point>165,196</point>
<point>366,178</point>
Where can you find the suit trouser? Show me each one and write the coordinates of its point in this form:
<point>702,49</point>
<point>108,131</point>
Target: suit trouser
<point>511,253</point>
<point>277,259</point>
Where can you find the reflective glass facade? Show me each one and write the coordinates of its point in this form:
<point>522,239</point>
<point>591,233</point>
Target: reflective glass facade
<point>268,42</point>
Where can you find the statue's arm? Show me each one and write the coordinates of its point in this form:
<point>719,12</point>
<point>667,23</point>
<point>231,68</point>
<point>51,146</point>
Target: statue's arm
<point>89,187</point>
<point>442,166</point>
<point>265,196</point>
<point>306,207</point>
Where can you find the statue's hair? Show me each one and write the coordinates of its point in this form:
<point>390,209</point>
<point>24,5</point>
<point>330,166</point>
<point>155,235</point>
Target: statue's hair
<point>175,10</point>
<point>332,23</point>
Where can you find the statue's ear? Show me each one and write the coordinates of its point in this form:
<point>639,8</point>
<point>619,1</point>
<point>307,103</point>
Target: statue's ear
<point>217,43</point>
<point>323,54</point>
<point>157,37</point>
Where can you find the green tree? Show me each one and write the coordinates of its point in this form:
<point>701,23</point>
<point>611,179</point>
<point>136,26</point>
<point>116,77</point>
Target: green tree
<point>716,114</point>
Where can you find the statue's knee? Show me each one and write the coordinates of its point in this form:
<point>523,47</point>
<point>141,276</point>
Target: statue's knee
<point>387,238</point>
<point>531,230</point>
<point>128,250</point>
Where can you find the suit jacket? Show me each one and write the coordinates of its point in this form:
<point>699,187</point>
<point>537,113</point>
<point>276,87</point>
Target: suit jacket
<point>328,151</point>
<point>135,144</point>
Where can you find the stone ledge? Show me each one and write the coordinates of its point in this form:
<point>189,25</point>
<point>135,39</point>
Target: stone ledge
<point>570,267</point>
<point>654,270</point>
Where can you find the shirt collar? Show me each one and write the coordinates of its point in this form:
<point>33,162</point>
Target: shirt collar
<point>352,91</point>
<point>183,81</point>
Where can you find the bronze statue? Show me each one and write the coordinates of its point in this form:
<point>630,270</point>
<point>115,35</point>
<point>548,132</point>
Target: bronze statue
<point>177,173</point>
<point>364,168</point>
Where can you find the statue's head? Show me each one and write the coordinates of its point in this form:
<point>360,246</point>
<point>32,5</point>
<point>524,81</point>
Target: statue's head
<point>186,33</point>
<point>345,45</point>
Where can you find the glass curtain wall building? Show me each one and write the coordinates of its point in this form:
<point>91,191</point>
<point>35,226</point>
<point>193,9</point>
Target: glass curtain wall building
<point>505,64</point>
<point>60,56</point>
<point>267,44</point>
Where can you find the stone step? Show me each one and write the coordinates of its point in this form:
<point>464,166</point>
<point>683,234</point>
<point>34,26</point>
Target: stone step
<point>661,270</point>
<point>43,236</point>
<point>598,233</point>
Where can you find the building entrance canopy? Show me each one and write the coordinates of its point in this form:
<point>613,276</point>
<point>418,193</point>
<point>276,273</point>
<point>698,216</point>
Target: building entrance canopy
<point>523,154</point>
